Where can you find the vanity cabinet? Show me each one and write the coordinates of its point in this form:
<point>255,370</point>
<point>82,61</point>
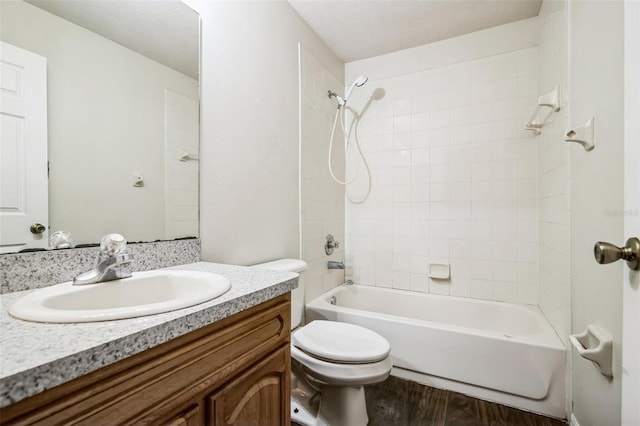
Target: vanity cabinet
<point>191,417</point>
<point>254,398</point>
<point>233,372</point>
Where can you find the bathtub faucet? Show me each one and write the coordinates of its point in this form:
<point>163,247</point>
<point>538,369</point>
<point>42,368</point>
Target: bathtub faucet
<point>332,264</point>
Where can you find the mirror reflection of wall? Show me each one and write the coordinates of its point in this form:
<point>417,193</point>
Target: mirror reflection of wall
<point>123,128</point>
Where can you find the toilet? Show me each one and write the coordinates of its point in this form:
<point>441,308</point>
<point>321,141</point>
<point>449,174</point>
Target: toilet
<point>331,363</point>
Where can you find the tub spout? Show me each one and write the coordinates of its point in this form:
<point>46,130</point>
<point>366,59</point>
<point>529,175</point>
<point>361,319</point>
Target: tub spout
<point>332,264</point>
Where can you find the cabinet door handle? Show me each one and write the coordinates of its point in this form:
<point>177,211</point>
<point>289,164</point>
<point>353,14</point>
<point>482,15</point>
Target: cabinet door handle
<point>607,253</point>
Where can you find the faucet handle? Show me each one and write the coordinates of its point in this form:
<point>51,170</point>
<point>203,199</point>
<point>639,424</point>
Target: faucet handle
<point>330,244</point>
<point>113,244</point>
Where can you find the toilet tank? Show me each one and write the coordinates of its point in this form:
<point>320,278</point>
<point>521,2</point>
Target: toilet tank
<point>297,295</point>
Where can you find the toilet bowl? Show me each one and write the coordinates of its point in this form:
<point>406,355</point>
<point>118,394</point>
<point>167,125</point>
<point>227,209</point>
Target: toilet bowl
<point>331,361</point>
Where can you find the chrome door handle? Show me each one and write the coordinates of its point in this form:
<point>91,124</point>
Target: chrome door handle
<point>607,253</point>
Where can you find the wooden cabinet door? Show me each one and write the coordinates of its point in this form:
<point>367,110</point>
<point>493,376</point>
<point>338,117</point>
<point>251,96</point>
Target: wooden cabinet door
<point>259,396</point>
<point>190,417</point>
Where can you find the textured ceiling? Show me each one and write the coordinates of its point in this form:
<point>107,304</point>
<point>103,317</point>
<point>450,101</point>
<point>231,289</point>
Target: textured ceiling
<point>362,29</point>
<point>166,31</point>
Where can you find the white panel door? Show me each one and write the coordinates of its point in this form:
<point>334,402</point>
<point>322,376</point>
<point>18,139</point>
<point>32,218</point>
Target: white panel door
<point>596,80</point>
<point>631,280</point>
<point>23,149</point>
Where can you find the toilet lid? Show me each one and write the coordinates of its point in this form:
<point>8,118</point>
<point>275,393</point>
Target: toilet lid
<point>342,342</point>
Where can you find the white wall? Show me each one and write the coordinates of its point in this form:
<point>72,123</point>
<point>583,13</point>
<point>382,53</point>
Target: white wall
<point>596,89</point>
<point>249,148</point>
<point>322,198</point>
<point>102,127</point>
<point>454,172</point>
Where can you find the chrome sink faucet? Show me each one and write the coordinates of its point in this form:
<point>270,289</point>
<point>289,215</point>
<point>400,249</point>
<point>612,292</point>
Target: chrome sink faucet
<point>112,262</point>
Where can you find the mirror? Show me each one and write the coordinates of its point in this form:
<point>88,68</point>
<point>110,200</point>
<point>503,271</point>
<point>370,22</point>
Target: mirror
<point>122,113</point>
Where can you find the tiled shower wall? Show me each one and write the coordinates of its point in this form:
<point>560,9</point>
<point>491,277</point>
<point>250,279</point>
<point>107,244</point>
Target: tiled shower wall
<point>181,136</point>
<point>554,180</point>
<point>322,199</point>
<point>554,173</point>
<point>453,177</point>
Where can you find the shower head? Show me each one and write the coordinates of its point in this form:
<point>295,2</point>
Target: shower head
<point>358,82</point>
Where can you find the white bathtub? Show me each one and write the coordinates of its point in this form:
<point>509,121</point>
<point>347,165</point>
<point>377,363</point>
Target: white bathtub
<point>491,350</point>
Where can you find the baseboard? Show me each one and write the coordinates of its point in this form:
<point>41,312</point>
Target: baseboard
<point>574,421</point>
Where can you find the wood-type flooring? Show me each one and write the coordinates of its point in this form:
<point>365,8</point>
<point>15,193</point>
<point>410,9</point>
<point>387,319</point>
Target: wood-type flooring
<point>398,402</point>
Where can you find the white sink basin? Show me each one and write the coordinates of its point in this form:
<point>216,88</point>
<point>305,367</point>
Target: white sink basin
<point>145,293</point>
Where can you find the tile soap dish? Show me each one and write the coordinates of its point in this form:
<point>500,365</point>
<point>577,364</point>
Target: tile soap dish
<point>595,345</point>
<point>439,271</point>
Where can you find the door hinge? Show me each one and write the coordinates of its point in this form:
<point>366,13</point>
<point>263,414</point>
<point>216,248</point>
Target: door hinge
<point>48,169</point>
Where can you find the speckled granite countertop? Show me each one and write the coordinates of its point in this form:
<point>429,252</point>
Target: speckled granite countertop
<point>35,356</point>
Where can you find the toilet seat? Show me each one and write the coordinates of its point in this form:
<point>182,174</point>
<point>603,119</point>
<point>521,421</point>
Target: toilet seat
<point>341,354</point>
<point>343,374</point>
<point>339,342</point>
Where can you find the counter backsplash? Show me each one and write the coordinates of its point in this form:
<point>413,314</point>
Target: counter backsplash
<point>25,271</point>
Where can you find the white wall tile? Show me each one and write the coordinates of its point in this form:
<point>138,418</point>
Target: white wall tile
<point>460,230</point>
<point>461,115</point>
<point>401,106</point>
<point>420,157</point>
<point>455,180</point>
<point>527,85</point>
<point>419,282</point>
<point>402,123</point>
<point>460,75</point>
<point>440,100</point>
<point>460,287</point>
<point>505,271</point>
<point>481,289</point>
<point>439,287</point>
<point>504,291</point>
<point>460,134</point>
<point>440,136</point>
<point>401,142</point>
<point>440,118</point>
<point>421,138</point>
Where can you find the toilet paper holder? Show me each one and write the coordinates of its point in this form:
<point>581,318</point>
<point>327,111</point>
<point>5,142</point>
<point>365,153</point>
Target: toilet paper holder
<point>595,345</point>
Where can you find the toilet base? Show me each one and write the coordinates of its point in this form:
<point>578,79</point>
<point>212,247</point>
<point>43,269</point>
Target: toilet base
<point>343,406</point>
<point>301,416</point>
<point>339,406</point>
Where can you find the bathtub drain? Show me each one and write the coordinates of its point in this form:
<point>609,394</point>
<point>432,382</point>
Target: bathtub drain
<point>333,300</point>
